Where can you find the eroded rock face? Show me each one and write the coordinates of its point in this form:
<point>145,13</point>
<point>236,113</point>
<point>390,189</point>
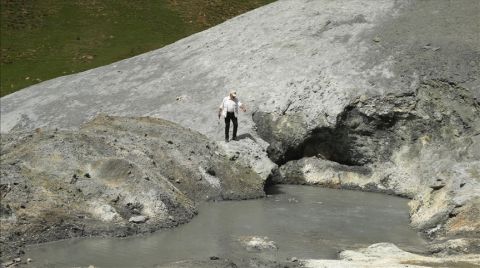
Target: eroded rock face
<point>423,146</point>
<point>370,129</point>
<point>115,176</point>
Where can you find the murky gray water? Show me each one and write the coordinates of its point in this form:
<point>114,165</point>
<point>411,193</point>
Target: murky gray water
<point>305,222</point>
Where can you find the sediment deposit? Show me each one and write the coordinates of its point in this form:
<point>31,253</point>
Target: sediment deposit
<point>378,95</point>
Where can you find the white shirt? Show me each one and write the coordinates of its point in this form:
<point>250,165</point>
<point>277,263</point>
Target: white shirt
<point>229,105</point>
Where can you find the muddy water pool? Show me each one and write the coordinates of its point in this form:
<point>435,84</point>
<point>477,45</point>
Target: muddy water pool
<point>303,221</point>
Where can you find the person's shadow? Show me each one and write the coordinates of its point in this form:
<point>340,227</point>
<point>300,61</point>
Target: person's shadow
<point>246,136</point>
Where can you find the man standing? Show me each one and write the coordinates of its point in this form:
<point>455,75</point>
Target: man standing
<point>229,110</point>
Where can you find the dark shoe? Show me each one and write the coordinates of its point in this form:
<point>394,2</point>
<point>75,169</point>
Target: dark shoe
<point>235,139</point>
<point>226,139</point>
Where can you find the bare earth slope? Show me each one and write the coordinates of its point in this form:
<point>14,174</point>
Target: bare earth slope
<point>379,95</point>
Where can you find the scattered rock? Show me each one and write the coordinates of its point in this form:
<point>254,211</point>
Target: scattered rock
<point>256,243</point>
<point>138,219</point>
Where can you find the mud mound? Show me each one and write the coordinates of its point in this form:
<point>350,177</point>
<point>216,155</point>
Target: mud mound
<point>116,176</point>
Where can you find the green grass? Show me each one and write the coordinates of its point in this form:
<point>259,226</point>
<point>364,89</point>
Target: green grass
<point>44,39</point>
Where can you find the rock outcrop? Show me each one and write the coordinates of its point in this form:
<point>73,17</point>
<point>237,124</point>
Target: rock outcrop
<point>115,176</point>
<point>423,146</point>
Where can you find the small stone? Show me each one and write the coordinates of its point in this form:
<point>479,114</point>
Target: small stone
<point>74,179</point>
<point>293,259</point>
<point>214,258</point>
<point>438,186</point>
<point>178,181</point>
<point>17,260</point>
<point>138,219</point>
<point>292,200</point>
<point>376,39</point>
<point>255,243</point>
<point>91,266</point>
<point>363,98</point>
<point>29,260</point>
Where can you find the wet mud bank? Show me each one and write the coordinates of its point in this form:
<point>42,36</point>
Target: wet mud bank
<point>423,145</point>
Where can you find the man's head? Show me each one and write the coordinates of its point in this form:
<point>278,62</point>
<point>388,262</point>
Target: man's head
<point>233,94</point>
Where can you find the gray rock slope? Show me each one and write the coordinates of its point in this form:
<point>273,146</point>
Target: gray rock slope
<point>384,93</point>
<point>293,55</point>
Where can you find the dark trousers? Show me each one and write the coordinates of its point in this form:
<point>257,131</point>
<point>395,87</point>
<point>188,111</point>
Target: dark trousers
<point>230,116</point>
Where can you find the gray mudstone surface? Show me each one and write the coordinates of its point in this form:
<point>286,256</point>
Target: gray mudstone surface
<point>384,93</point>
<point>115,176</point>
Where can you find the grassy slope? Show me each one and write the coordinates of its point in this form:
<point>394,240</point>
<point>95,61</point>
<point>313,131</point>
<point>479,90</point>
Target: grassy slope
<point>43,39</point>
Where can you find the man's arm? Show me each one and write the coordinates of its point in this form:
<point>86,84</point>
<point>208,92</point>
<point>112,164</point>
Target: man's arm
<point>220,109</point>
<point>242,107</point>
